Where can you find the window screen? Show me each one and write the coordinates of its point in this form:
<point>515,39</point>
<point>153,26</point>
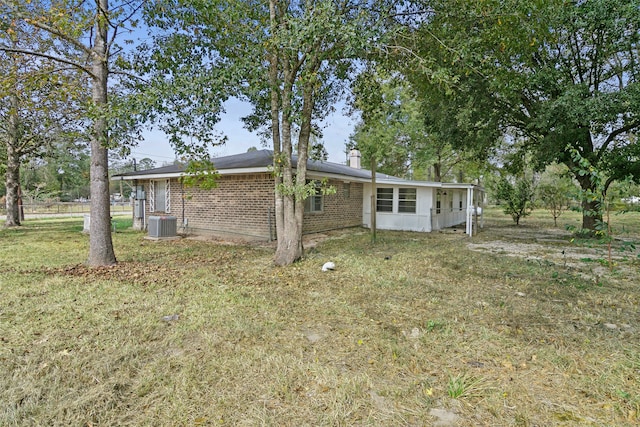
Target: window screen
<point>407,200</point>
<point>384,202</point>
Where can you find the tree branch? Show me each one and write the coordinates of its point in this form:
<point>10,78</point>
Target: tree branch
<point>127,74</point>
<point>80,67</point>
<point>120,24</point>
<point>615,134</point>
<point>134,11</point>
<point>51,30</point>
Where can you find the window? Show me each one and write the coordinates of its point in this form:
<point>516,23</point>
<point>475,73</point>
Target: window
<point>407,200</point>
<point>346,190</point>
<point>314,203</point>
<point>159,196</point>
<point>384,200</point>
<point>460,204</point>
<point>438,202</point>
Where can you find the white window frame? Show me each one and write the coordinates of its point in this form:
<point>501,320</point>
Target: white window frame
<point>310,205</point>
<point>385,199</point>
<point>152,195</point>
<point>406,200</point>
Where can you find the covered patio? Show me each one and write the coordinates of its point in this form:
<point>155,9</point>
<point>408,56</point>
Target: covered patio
<point>423,206</point>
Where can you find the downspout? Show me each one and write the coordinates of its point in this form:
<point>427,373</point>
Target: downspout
<point>135,199</point>
<point>184,220</point>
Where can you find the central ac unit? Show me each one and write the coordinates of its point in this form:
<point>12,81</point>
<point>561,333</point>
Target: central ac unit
<point>162,226</point>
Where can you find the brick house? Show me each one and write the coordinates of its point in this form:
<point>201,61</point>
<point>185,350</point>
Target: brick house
<point>243,202</point>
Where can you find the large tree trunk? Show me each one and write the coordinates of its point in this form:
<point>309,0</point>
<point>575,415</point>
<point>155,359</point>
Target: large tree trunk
<point>301,169</point>
<point>100,243</point>
<point>437,172</point>
<point>288,210</point>
<point>591,215</point>
<point>12,184</point>
<point>289,246</point>
<point>12,177</point>
<point>591,209</point>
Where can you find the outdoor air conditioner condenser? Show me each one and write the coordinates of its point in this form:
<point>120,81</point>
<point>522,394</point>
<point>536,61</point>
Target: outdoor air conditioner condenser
<point>162,226</point>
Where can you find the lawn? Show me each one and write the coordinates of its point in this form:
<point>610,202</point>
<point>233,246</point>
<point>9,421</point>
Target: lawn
<point>520,326</point>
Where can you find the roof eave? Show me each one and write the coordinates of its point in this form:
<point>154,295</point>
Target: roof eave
<point>339,177</point>
<point>237,171</point>
<point>147,176</point>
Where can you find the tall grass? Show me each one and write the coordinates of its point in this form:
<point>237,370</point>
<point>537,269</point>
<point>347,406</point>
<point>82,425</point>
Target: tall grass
<point>205,333</point>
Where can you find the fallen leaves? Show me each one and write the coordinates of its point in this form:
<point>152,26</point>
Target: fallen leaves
<point>138,273</point>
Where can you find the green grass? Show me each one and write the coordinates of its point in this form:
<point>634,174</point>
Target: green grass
<point>498,339</point>
<point>465,386</point>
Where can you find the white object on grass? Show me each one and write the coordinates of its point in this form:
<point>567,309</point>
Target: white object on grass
<point>328,266</point>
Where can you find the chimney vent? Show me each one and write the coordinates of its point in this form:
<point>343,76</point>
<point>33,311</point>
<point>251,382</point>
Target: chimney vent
<point>354,159</point>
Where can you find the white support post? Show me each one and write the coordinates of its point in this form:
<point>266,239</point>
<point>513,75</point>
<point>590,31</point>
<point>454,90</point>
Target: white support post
<point>470,211</point>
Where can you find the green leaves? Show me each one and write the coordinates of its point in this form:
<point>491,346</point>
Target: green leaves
<point>516,197</point>
<point>201,174</point>
<point>391,129</point>
<point>548,72</point>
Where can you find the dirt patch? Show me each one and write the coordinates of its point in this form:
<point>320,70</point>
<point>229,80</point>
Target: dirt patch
<point>553,247</point>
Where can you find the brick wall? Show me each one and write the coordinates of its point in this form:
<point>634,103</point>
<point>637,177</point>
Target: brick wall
<point>340,210</point>
<point>241,204</point>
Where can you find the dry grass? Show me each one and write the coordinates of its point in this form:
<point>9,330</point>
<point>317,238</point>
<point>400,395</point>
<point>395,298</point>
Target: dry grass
<point>529,338</point>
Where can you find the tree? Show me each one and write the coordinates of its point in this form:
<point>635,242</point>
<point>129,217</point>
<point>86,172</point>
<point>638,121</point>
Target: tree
<point>317,150</point>
<point>380,133</point>
<point>555,190</point>
<point>144,164</point>
<point>552,72</point>
<point>516,197</point>
<point>34,111</point>
<point>287,59</point>
<point>462,132</point>
<point>65,165</point>
<point>393,133</point>
<point>85,36</point>
<point>391,128</point>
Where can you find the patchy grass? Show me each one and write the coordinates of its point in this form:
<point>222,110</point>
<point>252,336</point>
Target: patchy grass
<point>415,329</point>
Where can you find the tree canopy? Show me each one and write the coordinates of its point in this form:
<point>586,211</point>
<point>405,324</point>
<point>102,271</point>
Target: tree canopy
<point>39,108</point>
<point>561,75</point>
<point>391,129</point>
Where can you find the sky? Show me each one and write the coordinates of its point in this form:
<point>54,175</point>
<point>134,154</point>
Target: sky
<point>336,130</point>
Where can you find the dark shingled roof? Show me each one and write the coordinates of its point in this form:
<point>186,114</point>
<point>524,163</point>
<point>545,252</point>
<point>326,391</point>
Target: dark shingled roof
<point>262,159</point>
